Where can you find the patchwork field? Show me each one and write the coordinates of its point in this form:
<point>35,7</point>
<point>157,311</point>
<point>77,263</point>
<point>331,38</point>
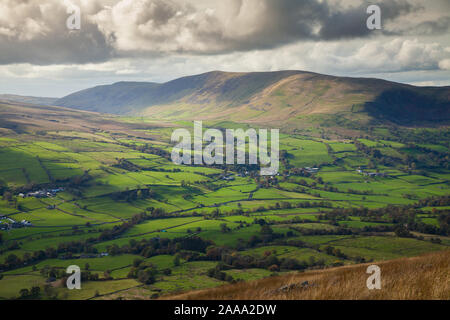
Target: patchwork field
<point>140,226</point>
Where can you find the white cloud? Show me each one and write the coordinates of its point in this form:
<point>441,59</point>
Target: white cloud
<point>156,40</point>
<point>352,57</point>
<point>34,30</point>
<point>355,58</point>
<point>444,64</point>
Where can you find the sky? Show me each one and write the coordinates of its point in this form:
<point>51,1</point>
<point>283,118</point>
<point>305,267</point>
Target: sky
<point>160,40</point>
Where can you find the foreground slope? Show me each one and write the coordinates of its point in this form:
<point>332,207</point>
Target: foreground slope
<point>423,277</point>
<point>269,97</point>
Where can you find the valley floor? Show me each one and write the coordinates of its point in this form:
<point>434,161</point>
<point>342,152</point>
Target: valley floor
<point>101,192</point>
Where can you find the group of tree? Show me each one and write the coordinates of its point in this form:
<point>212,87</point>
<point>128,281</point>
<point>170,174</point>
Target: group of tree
<point>230,259</point>
<point>157,246</point>
<point>133,195</point>
<point>66,250</point>
<point>144,272</point>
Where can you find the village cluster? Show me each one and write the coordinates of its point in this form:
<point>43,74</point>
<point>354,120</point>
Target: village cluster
<point>231,177</point>
<point>371,174</point>
<point>44,193</point>
<point>7,223</point>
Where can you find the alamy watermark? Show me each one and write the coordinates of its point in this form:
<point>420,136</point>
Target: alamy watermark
<point>73,22</point>
<point>214,152</point>
<point>74,280</point>
<point>374,281</point>
<point>374,20</point>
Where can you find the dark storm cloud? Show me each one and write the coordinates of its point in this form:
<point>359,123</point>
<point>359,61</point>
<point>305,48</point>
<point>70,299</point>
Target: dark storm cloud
<point>237,25</point>
<point>436,27</point>
<point>351,23</point>
<point>59,49</point>
<point>285,21</point>
<point>34,31</point>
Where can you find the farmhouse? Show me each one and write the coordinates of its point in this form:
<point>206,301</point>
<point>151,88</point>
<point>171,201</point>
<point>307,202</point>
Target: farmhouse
<point>45,193</point>
<point>17,225</point>
<point>13,224</point>
<point>371,174</point>
<point>26,223</point>
<point>228,178</point>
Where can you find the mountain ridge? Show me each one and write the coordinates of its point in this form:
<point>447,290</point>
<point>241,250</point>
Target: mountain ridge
<point>262,97</point>
<point>44,101</point>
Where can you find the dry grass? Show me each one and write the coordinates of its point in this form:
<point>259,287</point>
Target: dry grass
<point>18,118</point>
<point>423,277</point>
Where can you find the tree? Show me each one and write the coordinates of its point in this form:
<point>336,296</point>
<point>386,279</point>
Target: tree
<point>132,273</point>
<point>24,293</point>
<point>329,250</point>
<point>137,262</point>
<point>224,228</point>
<point>274,268</point>
<point>146,276</point>
<point>176,261</point>
<point>267,253</point>
<point>35,291</point>
<point>266,230</point>
<point>49,292</point>
<point>7,196</point>
<point>107,274</point>
<point>12,260</point>
<point>436,240</point>
<point>401,231</point>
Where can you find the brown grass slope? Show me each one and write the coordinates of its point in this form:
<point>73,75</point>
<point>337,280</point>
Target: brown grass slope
<point>423,277</point>
<point>43,101</point>
<point>269,98</point>
<point>17,119</point>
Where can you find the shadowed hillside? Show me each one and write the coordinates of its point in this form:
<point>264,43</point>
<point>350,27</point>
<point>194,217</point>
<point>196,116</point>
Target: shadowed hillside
<point>424,277</point>
<point>287,97</point>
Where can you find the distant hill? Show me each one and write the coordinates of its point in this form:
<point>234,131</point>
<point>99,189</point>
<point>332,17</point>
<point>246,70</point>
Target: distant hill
<point>43,101</point>
<point>269,97</point>
<point>415,278</point>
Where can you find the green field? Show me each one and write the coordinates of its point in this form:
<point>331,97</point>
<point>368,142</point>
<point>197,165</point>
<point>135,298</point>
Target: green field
<point>127,211</point>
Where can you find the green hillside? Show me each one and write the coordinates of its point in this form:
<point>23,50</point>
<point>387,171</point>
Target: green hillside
<point>140,227</point>
<point>292,98</point>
